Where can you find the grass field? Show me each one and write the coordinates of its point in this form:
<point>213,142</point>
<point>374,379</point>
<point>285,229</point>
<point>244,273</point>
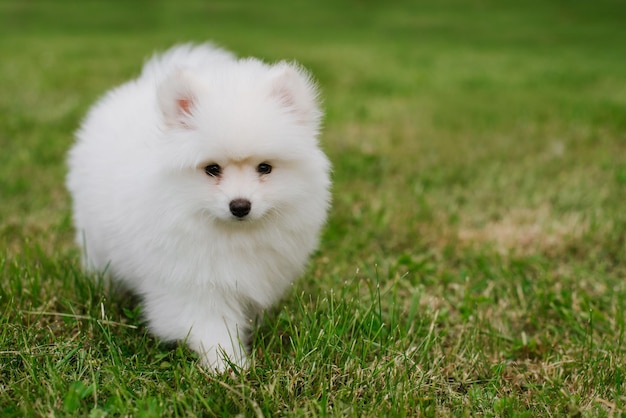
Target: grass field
<point>474,262</point>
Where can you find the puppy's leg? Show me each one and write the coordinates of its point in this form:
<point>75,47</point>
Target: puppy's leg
<point>211,327</point>
<point>220,343</point>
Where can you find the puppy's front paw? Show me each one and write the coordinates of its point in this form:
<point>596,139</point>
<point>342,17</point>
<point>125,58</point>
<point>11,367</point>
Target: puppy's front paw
<point>219,359</point>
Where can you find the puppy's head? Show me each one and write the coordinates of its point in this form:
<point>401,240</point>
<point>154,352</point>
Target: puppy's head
<point>243,140</point>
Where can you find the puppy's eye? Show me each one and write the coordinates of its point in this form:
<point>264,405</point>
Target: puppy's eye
<point>264,168</point>
<point>213,170</point>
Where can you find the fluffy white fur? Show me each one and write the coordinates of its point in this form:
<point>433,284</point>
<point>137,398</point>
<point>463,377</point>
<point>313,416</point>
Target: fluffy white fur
<point>147,212</point>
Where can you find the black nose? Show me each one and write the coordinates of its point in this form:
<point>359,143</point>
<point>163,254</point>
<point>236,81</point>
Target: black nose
<point>240,207</point>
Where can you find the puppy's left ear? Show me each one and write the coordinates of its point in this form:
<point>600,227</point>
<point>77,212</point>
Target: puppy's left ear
<point>295,90</point>
<point>177,100</point>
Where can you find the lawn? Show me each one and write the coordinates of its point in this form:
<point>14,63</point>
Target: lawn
<point>474,261</point>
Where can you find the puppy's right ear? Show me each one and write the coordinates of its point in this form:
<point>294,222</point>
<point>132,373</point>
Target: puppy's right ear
<point>293,87</point>
<point>177,100</point>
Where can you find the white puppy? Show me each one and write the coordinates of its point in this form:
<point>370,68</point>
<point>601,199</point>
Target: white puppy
<point>201,187</point>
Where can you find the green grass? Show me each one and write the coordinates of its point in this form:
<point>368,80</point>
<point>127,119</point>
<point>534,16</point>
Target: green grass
<point>474,262</point>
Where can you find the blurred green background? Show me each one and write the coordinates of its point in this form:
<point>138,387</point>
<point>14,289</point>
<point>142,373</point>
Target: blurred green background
<point>479,152</point>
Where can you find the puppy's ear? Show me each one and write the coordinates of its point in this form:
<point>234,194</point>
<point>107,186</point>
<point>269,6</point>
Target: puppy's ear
<point>294,89</point>
<point>177,100</point>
